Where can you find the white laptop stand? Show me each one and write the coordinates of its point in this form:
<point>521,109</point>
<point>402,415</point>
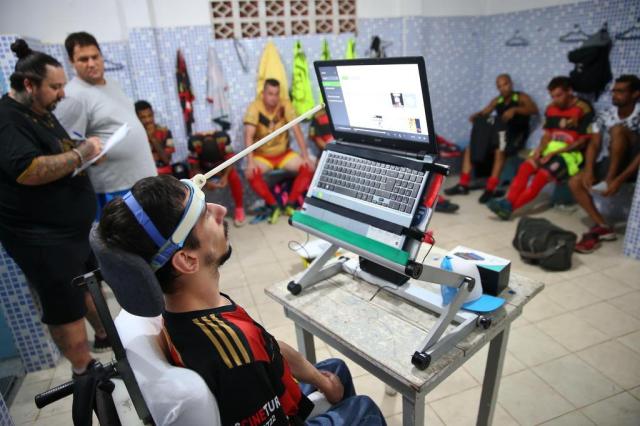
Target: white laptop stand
<point>435,344</point>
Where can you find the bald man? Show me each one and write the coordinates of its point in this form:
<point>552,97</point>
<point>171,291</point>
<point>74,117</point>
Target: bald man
<point>505,132</point>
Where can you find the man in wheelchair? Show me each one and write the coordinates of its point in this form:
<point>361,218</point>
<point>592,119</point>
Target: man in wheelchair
<point>253,376</point>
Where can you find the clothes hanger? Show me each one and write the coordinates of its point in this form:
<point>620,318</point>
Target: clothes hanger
<point>631,33</point>
<point>110,65</point>
<point>517,40</point>
<point>574,36</point>
<point>241,52</point>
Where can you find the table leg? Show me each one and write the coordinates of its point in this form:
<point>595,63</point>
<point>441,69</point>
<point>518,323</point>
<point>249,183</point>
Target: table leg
<point>492,375</point>
<point>306,346</point>
<point>413,411</point>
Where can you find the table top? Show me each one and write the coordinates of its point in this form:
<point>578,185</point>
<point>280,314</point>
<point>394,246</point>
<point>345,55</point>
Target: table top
<point>386,330</point>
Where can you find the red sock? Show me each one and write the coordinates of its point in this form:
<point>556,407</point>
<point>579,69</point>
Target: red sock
<point>519,183</point>
<point>492,183</point>
<point>261,188</point>
<point>465,178</point>
<point>541,178</point>
<point>300,183</point>
<point>235,184</point>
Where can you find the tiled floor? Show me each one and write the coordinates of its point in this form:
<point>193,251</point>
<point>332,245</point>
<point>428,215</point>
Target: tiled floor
<point>573,356</point>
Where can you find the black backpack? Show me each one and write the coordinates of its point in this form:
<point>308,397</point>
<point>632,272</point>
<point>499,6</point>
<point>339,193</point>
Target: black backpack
<point>542,243</point>
<point>592,71</point>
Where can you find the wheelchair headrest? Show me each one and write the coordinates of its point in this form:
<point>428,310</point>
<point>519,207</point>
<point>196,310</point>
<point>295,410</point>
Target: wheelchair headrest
<point>130,277</point>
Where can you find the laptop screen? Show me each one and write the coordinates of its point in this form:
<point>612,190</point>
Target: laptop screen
<point>381,102</point>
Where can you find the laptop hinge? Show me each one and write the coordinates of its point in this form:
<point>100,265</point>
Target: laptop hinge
<point>420,155</point>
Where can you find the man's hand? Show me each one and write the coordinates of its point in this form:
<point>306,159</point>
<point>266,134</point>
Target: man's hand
<point>309,162</point>
<point>588,179</point>
<point>252,167</point>
<point>508,115</point>
<point>90,148</point>
<point>613,186</point>
<point>221,183</point>
<point>150,129</point>
<point>332,389</point>
<point>546,158</point>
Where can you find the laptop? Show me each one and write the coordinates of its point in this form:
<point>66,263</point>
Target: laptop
<point>372,180</point>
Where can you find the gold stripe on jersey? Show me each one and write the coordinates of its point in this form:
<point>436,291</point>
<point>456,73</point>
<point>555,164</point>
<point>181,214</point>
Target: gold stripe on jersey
<point>225,340</point>
<point>234,336</point>
<point>214,340</point>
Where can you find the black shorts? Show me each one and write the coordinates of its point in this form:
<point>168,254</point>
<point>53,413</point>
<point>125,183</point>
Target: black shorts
<point>557,167</point>
<point>50,270</point>
<point>514,138</point>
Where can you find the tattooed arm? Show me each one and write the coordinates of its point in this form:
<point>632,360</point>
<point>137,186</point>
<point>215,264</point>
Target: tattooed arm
<point>49,168</point>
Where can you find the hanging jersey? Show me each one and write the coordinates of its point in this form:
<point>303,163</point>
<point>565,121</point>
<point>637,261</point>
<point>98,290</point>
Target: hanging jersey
<point>266,122</point>
<point>240,362</point>
<point>608,118</point>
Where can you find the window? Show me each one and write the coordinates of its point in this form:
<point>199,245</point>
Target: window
<point>263,18</point>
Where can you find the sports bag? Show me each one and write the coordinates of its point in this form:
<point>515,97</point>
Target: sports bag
<point>542,243</point>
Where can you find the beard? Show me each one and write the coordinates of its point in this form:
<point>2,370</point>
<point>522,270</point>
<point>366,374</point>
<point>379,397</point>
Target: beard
<point>216,262</point>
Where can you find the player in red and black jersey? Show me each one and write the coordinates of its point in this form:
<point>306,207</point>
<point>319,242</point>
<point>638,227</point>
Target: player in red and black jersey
<point>160,138</point>
<point>253,376</point>
<point>567,129</point>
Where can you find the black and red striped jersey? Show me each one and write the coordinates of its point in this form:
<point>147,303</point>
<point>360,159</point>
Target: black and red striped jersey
<point>240,362</point>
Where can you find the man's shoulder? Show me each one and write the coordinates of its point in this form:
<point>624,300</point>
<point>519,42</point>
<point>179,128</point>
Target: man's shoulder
<point>8,113</point>
<point>76,86</point>
<point>584,106</point>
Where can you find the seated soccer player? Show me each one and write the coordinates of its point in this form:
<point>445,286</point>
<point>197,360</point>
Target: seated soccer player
<point>208,150</point>
<point>504,134</point>
<point>255,378</point>
<point>160,138</point>
<point>613,157</point>
<point>265,115</point>
<point>567,122</point>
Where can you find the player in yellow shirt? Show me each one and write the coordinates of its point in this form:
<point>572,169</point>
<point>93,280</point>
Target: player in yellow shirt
<point>264,116</point>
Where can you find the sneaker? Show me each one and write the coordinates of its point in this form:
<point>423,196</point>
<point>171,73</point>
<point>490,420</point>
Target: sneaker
<point>486,196</point>
<point>457,190</point>
<point>275,215</point>
<point>261,215</point>
<point>239,218</point>
<point>289,210</point>
<point>446,206</point>
<point>100,344</point>
<point>501,207</point>
<point>588,244</point>
<point>604,233</point>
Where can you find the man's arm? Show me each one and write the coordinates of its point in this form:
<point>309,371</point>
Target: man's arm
<point>527,106</point>
<point>615,185</point>
<point>593,147</point>
<point>49,168</point>
<point>544,141</point>
<point>249,134</point>
<point>158,147</point>
<point>327,383</point>
<point>486,110</point>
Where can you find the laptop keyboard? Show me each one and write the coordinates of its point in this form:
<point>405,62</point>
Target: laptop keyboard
<point>395,187</point>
